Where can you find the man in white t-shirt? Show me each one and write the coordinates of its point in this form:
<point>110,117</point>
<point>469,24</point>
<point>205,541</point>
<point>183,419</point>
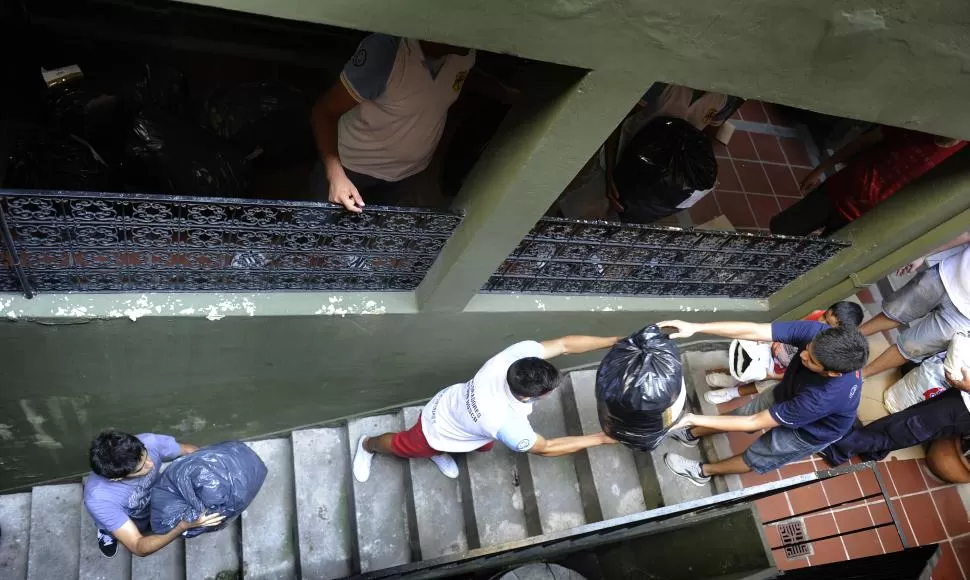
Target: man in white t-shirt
<point>934,306</point>
<point>381,121</point>
<point>494,405</point>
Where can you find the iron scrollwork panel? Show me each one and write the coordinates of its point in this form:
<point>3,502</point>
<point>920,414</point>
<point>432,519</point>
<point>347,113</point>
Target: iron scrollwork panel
<point>563,256</point>
<point>113,242</point>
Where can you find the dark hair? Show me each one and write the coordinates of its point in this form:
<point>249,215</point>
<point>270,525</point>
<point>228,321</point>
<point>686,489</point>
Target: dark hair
<point>115,454</point>
<point>848,313</point>
<point>532,377</point>
<point>842,349</point>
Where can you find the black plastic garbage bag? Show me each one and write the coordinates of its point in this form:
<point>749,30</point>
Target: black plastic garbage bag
<point>222,478</point>
<point>663,165</point>
<point>637,385</point>
<point>41,158</point>
<point>268,121</point>
<point>164,154</point>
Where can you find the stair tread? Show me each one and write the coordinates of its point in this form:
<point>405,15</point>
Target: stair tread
<point>554,479</point>
<point>614,471</point>
<point>380,507</point>
<point>55,524</point>
<point>93,564</point>
<point>437,505</point>
<point>268,524</point>
<point>209,554</point>
<point>321,467</point>
<point>165,564</point>
<point>14,543</point>
<point>496,496</point>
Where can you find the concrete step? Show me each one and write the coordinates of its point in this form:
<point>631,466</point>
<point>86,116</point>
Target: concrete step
<point>215,555</point>
<point>94,565</point>
<point>439,521</point>
<point>269,547</point>
<point>494,486</point>
<point>14,535</point>
<point>553,480</point>
<point>715,447</point>
<point>380,504</point>
<point>55,524</point>
<point>165,564</point>
<point>608,475</point>
<point>676,489</point>
<point>321,468</point>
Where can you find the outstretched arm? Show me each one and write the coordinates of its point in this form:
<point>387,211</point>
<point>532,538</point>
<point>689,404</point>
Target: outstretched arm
<point>576,344</point>
<point>566,445</point>
<point>742,330</point>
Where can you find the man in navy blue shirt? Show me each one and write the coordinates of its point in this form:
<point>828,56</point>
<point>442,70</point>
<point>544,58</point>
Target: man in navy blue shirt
<point>813,405</point>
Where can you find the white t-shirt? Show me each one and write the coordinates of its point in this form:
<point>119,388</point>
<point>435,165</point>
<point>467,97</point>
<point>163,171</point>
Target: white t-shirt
<point>466,416</point>
<point>955,273</point>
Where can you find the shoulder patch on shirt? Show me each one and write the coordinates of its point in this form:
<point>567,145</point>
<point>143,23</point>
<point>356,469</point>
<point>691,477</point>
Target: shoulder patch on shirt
<point>459,81</point>
<point>360,57</point>
<point>523,445</point>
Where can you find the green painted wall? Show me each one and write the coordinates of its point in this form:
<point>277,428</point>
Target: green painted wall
<point>63,379</point>
<point>901,62</point>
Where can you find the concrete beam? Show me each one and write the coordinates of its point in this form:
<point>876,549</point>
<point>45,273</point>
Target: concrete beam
<point>901,62</point>
<point>566,115</point>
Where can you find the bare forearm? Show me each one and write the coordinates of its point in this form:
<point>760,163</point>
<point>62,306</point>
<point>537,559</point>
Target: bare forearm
<point>726,423</point>
<point>566,445</point>
<point>325,133</point>
<point>581,344</point>
<point>741,330</point>
<point>148,545</point>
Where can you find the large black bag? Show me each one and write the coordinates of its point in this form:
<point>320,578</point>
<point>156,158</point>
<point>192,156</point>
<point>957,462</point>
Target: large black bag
<point>664,164</point>
<point>637,385</point>
<point>222,478</point>
<point>41,158</point>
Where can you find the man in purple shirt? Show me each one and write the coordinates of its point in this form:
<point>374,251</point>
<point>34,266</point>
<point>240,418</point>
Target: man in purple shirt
<point>813,406</point>
<point>117,493</point>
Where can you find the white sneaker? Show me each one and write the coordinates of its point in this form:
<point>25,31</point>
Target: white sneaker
<point>446,464</point>
<point>721,380</point>
<point>687,468</point>
<point>721,396</point>
<point>680,436</point>
<point>362,461</point>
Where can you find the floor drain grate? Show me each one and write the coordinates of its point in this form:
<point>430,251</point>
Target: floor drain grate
<point>792,533</point>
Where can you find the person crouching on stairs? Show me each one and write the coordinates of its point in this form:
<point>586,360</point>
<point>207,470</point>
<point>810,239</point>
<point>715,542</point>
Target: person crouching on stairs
<point>494,405</point>
<point>813,406</point>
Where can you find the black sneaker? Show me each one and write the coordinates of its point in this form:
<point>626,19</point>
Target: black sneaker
<point>107,544</point>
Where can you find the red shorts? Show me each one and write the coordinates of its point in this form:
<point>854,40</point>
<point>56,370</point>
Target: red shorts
<point>413,443</point>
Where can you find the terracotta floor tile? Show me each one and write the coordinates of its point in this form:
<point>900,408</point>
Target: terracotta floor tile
<point>867,480</point>
<point>768,148</point>
<point>793,469</point>
<point>880,513</point>
<point>923,518</point>
<point>862,544</point>
<point>842,489</point>
<point>726,177</point>
<point>741,147</point>
<point>787,202</point>
<point>782,181</point>
<point>800,173</point>
<point>853,519</point>
<point>753,177</point>
<point>906,476</point>
<point>890,539</point>
<point>720,149</point>
<point>741,441</point>
<point>764,208</point>
<point>753,111</point>
<point>784,563</point>
<point>795,152</point>
<point>821,525</point>
<point>772,536</point>
<point>951,508</point>
<point>773,507</point>
<point>903,520</point>
<point>778,115</point>
<point>734,206</point>
<point>828,551</point>
<point>807,498</point>
<point>704,210</point>
<point>931,481</point>
<point>961,546</point>
<point>753,478</point>
<point>947,568</point>
<point>887,479</point>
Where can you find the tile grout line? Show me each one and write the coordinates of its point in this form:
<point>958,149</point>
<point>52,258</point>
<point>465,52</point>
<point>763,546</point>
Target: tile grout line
<point>838,529</point>
<point>862,493</point>
<point>949,539</point>
<point>758,160</point>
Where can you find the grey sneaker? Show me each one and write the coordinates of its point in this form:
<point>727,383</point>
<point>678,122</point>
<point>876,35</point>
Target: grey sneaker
<point>687,468</point>
<point>680,436</point>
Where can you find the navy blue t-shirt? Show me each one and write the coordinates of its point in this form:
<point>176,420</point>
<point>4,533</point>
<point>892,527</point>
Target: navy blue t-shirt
<point>821,409</point>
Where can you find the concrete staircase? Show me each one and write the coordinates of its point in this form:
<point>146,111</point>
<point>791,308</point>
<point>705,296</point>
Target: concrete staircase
<point>313,520</point>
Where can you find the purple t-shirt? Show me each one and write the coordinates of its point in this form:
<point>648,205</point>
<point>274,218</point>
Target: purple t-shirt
<point>112,503</point>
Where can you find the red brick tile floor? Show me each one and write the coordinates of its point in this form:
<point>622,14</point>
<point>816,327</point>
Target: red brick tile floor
<point>758,172</point>
<point>929,511</point>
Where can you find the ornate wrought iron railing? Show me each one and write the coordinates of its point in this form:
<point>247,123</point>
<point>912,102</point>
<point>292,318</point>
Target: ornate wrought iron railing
<point>114,242</point>
<point>561,256</point>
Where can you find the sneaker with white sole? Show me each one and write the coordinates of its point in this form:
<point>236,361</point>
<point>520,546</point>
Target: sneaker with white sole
<point>680,436</point>
<point>721,380</point>
<point>362,461</point>
<point>721,395</point>
<point>689,469</point>
<point>446,464</point>
<point>107,544</point>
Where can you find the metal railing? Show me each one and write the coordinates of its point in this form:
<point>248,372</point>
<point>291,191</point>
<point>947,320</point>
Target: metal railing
<point>563,256</point>
<point>115,242</point>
